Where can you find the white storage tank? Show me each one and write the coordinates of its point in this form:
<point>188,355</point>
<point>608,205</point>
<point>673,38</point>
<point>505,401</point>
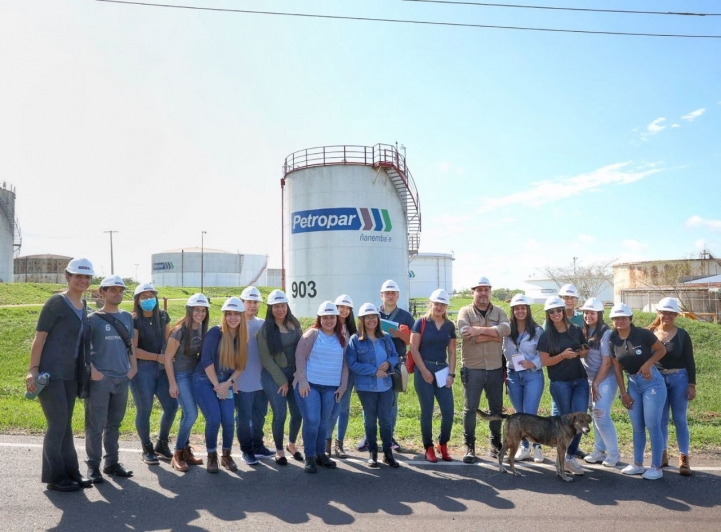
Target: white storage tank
<point>429,271</point>
<point>182,267</point>
<point>10,238</point>
<point>351,216</point>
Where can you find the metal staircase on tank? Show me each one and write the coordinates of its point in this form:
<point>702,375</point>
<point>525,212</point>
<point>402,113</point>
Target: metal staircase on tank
<point>384,156</point>
<point>8,211</point>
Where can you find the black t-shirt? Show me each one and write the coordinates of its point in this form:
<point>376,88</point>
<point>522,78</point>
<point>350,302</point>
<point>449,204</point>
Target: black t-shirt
<point>679,355</point>
<point>569,369</point>
<point>402,317</point>
<point>150,338</point>
<point>634,351</point>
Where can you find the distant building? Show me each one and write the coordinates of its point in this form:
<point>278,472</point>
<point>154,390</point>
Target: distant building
<point>40,268</point>
<point>540,289</point>
<point>183,267</point>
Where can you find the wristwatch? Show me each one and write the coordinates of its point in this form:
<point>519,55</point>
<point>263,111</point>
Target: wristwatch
<point>452,375</point>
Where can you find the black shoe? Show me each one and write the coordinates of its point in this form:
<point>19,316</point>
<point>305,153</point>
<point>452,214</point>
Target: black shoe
<point>310,466</point>
<point>325,461</point>
<point>580,454</point>
<point>389,459</point>
<point>162,450</point>
<point>281,460</point>
<point>470,456</point>
<point>362,445</point>
<point>373,459</point>
<point>264,451</point>
<point>94,475</point>
<point>295,454</point>
<point>117,470</point>
<point>64,485</point>
<point>82,481</point>
<point>149,456</point>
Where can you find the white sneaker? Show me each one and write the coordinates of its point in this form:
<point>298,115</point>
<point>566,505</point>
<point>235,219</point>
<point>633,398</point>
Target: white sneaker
<point>573,467</point>
<point>537,455</point>
<point>653,473</point>
<point>612,460</point>
<point>523,453</point>
<point>595,457</point>
<point>633,469</point>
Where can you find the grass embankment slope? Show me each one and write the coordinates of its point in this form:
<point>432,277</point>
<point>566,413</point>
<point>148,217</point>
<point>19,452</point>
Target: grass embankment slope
<point>18,415</point>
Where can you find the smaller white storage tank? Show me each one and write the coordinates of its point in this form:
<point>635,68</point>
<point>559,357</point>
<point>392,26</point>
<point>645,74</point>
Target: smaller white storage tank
<point>41,268</point>
<point>429,271</point>
<point>10,238</point>
<point>182,267</point>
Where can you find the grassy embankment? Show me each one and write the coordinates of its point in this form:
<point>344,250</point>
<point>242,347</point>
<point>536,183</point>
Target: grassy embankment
<point>18,415</point>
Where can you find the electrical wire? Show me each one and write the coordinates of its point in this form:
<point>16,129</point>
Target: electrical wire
<point>408,21</point>
<point>555,8</point>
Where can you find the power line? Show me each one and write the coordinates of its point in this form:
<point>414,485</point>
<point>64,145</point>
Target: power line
<point>554,8</point>
<point>407,21</point>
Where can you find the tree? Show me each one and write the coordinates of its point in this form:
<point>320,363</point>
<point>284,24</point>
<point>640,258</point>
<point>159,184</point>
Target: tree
<point>505,294</point>
<point>588,279</point>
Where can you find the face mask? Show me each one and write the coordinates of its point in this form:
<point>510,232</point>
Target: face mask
<point>148,304</point>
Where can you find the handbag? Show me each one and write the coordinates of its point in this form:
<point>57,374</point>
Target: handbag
<point>83,369</point>
<point>410,363</point>
<point>400,373</point>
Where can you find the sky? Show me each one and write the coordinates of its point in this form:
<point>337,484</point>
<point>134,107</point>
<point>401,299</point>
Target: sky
<point>528,148</point>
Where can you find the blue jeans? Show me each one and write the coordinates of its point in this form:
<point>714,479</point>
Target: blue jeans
<point>476,381</point>
<point>648,396</point>
<point>250,410</point>
<point>426,392</point>
<point>525,389</point>
<point>280,405</point>
<point>570,397</point>
<point>216,411</point>
<point>151,380</point>
<point>377,408</point>
<point>104,412</point>
<point>677,402</point>
<point>315,409</point>
<point>604,431</point>
<point>188,407</point>
<point>341,413</point>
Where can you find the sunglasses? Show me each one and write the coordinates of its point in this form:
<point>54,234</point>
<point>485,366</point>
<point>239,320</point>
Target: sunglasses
<point>555,311</point>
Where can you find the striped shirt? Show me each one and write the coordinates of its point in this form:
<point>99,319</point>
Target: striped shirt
<point>325,362</point>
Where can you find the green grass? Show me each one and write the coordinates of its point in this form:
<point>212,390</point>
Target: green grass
<point>18,415</point>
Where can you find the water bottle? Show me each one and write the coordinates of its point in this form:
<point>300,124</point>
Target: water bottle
<point>42,381</point>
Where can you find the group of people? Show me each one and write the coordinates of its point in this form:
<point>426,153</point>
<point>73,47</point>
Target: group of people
<point>231,372</point>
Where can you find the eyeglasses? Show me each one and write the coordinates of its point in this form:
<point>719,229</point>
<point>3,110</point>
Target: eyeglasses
<point>554,311</point>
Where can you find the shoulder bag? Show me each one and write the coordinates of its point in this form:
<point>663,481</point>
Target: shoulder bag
<point>410,363</point>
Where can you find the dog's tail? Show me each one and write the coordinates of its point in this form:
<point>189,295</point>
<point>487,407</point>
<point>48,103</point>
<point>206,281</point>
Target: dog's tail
<point>489,417</point>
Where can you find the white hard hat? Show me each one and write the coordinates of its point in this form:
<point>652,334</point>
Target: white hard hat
<point>620,309</point>
<point>440,296</point>
<point>251,293</point>
<point>112,280</point>
<point>593,303</point>
<point>327,308</point>
<point>234,304</point>
<point>482,281</point>
<point>668,304</point>
<point>367,309</point>
<point>145,287</point>
<point>568,290</point>
<point>520,299</point>
<point>198,300</point>
<point>390,286</point>
<point>80,266</point>
<point>344,299</point>
<point>277,296</point>
<point>553,302</point>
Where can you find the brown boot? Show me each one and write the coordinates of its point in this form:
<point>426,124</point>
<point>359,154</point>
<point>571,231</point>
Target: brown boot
<point>664,459</point>
<point>683,468</point>
<point>328,442</point>
<point>190,458</point>
<point>339,450</point>
<point>227,461</point>
<point>212,463</point>
<point>178,461</point>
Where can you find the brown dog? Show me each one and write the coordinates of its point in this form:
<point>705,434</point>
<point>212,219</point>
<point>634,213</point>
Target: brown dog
<point>555,431</point>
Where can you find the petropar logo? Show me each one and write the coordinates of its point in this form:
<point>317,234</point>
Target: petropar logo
<point>341,219</point>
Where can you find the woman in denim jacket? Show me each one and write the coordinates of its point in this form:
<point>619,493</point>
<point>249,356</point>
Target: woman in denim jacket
<point>371,358</point>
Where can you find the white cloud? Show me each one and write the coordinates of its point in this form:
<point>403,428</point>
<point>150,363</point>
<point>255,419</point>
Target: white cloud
<point>633,245</point>
<point>444,168</point>
<point>547,191</point>
<point>700,244</point>
<point>675,125</point>
<point>655,126</point>
<point>690,117</point>
<point>697,221</point>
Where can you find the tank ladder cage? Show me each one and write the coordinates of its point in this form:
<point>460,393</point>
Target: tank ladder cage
<point>384,156</point>
<point>9,212</point>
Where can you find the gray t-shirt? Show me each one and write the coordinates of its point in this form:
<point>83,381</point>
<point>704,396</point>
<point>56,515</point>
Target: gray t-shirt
<point>186,362</point>
<point>108,352</point>
<point>249,380</point>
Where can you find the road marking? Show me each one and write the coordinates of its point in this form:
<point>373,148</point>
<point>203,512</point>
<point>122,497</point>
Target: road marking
<point>400,458</point>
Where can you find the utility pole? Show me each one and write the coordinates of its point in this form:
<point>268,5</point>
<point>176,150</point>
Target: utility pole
<point>202,257</point>
<point>136,272</point>
<point>112,264</point>
<point>574,269</point>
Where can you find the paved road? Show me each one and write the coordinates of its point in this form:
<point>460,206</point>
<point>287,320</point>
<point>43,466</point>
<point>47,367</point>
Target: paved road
<point>416,496</point>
